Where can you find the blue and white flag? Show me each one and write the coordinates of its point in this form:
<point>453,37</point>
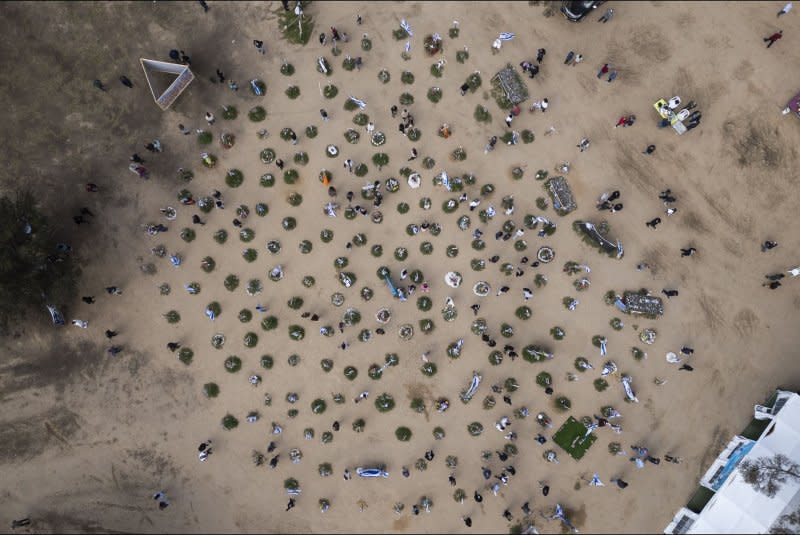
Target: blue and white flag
<point>595,482</point>
<point>372,472</point>
<point>506,36</point>
<point>406,27</point>
<point>408,47</point>
<point>358,102</point>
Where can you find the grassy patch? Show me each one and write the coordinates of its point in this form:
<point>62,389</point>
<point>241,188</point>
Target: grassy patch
<point>296,29</point>
<point>572,438</point>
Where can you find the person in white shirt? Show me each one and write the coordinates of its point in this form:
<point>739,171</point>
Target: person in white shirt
<point>787,8</point>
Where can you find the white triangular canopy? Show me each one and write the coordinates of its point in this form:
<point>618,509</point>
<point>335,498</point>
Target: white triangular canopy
<point>183,77</point>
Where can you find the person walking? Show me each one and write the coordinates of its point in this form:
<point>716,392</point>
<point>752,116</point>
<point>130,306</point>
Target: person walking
<point>768,245</point>
<point>259,46</point>
<point>210,118</point>
<point>619,482</point>
<point>649,150</point>
<point>570,55</point>
<point>606,16</point>
<point>687,368</point>
<point>653,223</point>
<point>669,293</point>
<point>111,334</point>
<point>787,8</point>
<point>161,498</point>
<point>173,346</point>
<point>577,59</point>
<point>688,252</point>
<point>324,114</point>
<point>126,81</point>
<point>467,521</point>
<point>772,38</point>
<point>612,76</point>
<point>603,70</point>
<point>540,55</point>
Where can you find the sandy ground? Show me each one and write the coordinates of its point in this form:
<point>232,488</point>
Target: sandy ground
<point>87,438</point>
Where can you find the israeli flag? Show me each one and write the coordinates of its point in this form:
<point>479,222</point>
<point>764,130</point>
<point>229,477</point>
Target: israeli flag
<point>372,472</point>
<point>55,315</point>
<point>506,36</point>
<point>406,27</point>
<point>603,347</point>
<point>408,46</point>
<point>210,314</point>
<point>595,482</point>
<point>360,103</point>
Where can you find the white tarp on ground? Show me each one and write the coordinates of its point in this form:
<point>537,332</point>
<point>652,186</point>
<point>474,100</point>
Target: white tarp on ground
<point>737,507</point>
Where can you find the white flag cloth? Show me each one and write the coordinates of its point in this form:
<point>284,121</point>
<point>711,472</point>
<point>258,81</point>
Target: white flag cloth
<point>372,472</point>
<point>506,36</point>
<point>595,482</point>
<point>360,103</point>
<point>603,347</point>
<point>408,46</point>
<point>626,384</point>
<point>406,27</point>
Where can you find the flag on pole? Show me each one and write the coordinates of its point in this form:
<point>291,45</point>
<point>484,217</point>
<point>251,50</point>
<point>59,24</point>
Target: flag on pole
<point>408,47</point>
<point>506,36</point>
<point>595,482</point>
<point>406,27</point>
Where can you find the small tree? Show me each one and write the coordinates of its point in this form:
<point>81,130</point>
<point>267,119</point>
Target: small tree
<point>768,474</point>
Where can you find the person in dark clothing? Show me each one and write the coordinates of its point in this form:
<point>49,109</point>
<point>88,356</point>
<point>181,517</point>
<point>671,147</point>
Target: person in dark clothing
<point>687,368</point>
<point>620,483</point>
<point>768,245</point>
<point>467,521</point>
<point>772,38</point>
<point>688,252</point>
<point>186,60</point>
<point>174,55</point>
<point>669,293</point>
<point>126,81</point>
<point>540,55</point>
<point>79,219</point>
<point>203,5</point>
<point>220,76</point>
<point>173,346</point>
<point>477,496</point>
<point>653,223</point>
<point>88,299</point>
<point>772,285</point>
<point>111,334</point>
<point>650,149</point>
<point>464,88</point>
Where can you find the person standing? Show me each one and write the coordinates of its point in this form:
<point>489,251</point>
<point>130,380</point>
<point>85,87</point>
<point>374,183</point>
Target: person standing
<point>649,150</point>
<point>540,55</point>
<point>259,46</point>
<point>612,76</point>
<point>603,70</point>
<point>221,76</point>
<point>99,85</point>
<point>126,81</point>
<point>787,8</point>
<point>210,118</point>
<point>772,38</point>
<point>688,252</point>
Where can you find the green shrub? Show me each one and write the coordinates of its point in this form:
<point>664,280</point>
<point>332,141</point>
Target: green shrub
<point>245,315</point>
<point>326,364</point>
<point>384,76</point>
<point>257,114</point>
<point>350,372</point>
<point>600,384</point>
<point>384,402</point>
<point>360,170</point>
<point>435,94</point>
<point>231,282</point>
<point>380,159</point>
<point>562,403</point>
<point>311,132</point>
<point>406,99</point>
<point>428,369</point>
<point>211,390</point>
<point>250,255</point>
<point>417,405</point>
<point>287,69</point>
<point>188,235</point>
<point>250,340</point>
<point>292,92</point>
<point>233,364</point>
<point>403,434</point>
<point>407,77</point>
<point>482,114</point>
<point>185,355</point>
<point>475,429</point>
<point>229,422</point>
<point>523,312</point>
<point>269,323</point>
<point>330,91</point>
<point>290,176</point>
<point>366,44</point>
<point>267,362</point>
<point>172,316</point>
<point>462,56</point>
<point>544,379</point>
<point>318,406</point>
<point>205,138</point>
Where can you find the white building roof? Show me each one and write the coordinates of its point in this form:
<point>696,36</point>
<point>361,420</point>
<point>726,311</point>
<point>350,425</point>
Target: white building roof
<point>737,507</point>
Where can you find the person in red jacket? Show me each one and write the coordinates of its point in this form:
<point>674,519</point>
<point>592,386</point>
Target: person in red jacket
<point>772,38</point>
